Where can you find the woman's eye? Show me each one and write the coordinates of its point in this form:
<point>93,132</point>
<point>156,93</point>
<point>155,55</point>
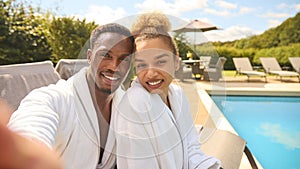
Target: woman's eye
<point>161,62</point>
<point>141,66</point>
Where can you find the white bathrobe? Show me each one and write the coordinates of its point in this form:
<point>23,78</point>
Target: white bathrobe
<point>63,117</point>
<point>151,136</point>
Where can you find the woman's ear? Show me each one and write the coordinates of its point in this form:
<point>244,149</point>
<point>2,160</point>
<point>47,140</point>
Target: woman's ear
<point>89,55</point>
<point>177,63</point>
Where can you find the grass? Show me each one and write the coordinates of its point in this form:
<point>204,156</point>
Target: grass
<point>229,73</point>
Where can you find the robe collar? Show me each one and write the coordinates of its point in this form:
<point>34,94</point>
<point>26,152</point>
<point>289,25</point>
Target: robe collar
<point>88,117</point>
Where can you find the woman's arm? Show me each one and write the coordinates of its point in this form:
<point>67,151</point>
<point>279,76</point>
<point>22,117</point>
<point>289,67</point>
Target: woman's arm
<point>197,159</point>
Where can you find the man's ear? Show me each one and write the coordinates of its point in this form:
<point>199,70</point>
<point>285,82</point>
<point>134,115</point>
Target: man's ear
<point>89,55</point>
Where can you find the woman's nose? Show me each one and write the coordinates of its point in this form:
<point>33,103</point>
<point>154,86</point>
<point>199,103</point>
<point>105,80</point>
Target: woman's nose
<point>151,72</point>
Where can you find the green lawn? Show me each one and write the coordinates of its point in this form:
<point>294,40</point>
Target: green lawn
<point>232,73</point>
<point>229,72</point>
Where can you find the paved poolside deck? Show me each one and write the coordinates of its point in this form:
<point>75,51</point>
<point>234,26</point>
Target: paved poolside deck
<point>237,86</point>
<point>240,86</point>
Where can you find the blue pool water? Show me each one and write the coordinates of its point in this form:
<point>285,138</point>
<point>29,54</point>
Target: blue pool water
<point>270,125</point>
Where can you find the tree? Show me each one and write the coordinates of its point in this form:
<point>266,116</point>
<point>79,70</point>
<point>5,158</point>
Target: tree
<point>22,36</point>
<point>68,36</point>
<point>182,44</point>
<point>4,30</point>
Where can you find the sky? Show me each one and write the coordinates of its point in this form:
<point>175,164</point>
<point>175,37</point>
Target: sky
<point>237,19</point>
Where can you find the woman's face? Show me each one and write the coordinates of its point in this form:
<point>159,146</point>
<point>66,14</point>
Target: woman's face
<point>155,65</point>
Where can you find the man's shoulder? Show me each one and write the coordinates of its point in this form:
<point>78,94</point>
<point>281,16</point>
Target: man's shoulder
<point>61,89</point>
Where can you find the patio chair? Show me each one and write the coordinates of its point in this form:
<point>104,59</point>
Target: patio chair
<point>68,67</point>
<point>295,62</point>
<point>215,73</point>
<point>271,66</point>
<point>183,72</point>
<point>243,66</point>
<point>205,60</point>
<point>17,80</point>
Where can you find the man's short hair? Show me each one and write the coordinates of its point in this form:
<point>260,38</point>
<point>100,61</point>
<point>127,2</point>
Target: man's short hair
<point>111,27</point>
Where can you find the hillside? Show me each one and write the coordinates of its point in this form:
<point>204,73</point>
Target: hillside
<point>286,33</point>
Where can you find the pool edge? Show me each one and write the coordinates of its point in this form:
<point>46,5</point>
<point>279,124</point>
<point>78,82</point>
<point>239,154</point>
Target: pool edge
<point>222,123</point>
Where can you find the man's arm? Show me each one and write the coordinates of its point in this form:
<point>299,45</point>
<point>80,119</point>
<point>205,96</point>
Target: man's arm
<point>37,117</point>
<point>20,153</point>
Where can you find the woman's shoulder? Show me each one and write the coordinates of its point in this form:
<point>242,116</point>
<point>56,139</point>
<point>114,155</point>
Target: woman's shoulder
<point>138,98</point>
<point>176,88</point>
<point>137,91</point>
<point>138,94</point>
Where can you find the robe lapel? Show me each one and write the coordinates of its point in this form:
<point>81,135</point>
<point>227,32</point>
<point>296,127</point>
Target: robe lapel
<point>179,107</point>
<point>176,102</point>
<point>85,108</point>
<point>110,147</point>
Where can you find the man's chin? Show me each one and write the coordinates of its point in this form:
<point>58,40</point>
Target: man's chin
<point>108,91</point>
<point>108,88</point>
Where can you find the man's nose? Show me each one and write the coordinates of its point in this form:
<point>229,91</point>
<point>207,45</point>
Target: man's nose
<point>114,64</point>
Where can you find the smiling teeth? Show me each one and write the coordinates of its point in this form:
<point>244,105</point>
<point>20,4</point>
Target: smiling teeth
<point>154,83</point>
<point>111,78</point>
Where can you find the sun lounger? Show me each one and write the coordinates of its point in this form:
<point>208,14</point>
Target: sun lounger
<point>243,66</point>
<point>271,66</point>
<point>295,62</point>
<point>17,80</point>
<point>68,67</point>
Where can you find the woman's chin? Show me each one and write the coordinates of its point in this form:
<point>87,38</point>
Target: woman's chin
<point>156,91</point>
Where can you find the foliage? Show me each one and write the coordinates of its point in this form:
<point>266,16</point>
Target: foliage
<point>281,53</point>
<point>231,52</point>
<point>182,44</point>
<point>22,36</point>
<point>68,37</point>
<point>280,42</point>
<point>286,33</point>
<point>28,36</point>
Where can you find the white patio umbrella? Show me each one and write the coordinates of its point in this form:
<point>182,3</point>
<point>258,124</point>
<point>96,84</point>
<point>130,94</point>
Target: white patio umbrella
<point>196,26</point>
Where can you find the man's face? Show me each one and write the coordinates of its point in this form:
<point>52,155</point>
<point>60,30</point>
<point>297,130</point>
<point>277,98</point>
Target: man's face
<point>110,61</point>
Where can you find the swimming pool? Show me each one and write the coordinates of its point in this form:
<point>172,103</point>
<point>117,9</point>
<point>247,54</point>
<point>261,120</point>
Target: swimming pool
<point>270,125</point>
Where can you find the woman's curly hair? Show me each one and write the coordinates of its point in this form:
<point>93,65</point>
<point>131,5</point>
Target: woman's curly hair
<point>151,26</point>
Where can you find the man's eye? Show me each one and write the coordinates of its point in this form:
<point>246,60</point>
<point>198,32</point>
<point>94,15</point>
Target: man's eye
<point>126,59</point>
<point>102,54</point>
<point>106,55</point>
